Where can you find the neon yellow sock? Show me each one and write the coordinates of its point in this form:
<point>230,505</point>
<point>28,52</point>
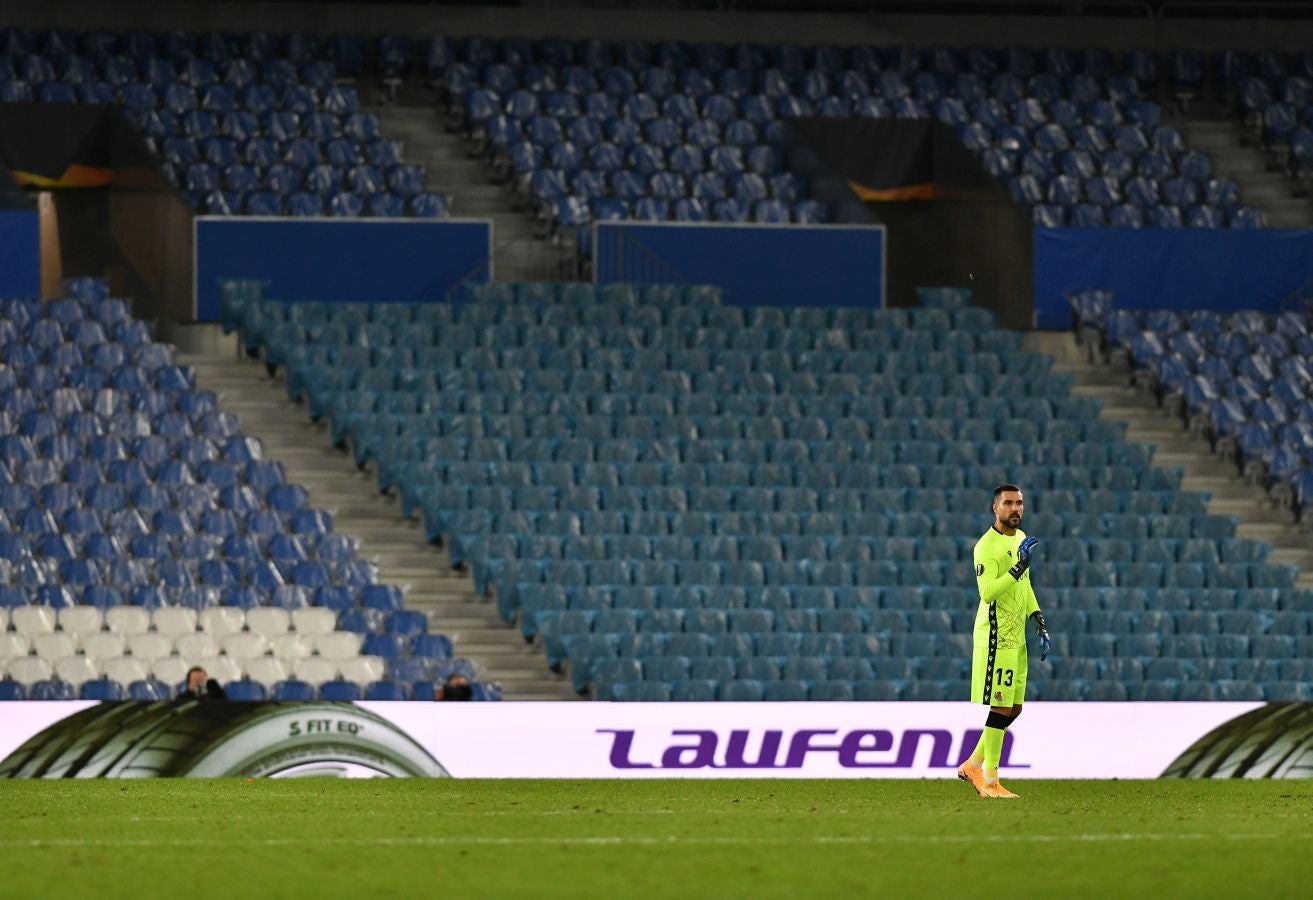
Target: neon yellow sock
<point>993,740</point>
<point>978,754</point>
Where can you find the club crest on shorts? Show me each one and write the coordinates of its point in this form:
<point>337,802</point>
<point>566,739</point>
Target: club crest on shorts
<point>998,695</point>
<point>980,569</point>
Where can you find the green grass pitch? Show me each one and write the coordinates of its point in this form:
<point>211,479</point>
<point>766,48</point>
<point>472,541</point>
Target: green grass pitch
<point>456,839</point>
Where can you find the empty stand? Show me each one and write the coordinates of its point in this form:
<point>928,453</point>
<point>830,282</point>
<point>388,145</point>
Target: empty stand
<point>766,503</point>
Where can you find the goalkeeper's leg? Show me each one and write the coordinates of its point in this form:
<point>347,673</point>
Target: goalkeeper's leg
<point>1002,685</point>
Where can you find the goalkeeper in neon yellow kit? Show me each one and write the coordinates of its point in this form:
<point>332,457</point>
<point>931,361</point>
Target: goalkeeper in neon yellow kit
<point>998,665</point>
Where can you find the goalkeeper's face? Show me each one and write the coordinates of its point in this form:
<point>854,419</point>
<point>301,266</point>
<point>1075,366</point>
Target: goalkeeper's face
<point>1009,508</point>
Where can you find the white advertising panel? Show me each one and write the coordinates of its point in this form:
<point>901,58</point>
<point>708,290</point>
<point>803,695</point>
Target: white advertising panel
<point>597,740</point>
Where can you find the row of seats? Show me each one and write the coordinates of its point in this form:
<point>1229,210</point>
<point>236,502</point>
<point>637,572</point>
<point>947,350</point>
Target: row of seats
<point>749,690</point>
<point>1141,633</point>
<point>76,668</point>
<point>1088,215</point>
<point>321,626</point>
<point>1130,671</point>
<point>865,475</point>
<point>697,349</point>
<point>892,521</point>
<point>798,456</point>
<point>245,690</point>
<point>584,602</point>
<point>238,645</point>
<point>841,548</point>
<point>144,584</point>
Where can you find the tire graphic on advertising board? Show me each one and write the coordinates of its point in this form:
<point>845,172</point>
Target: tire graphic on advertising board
<point>218,739</point>
<point>1273,741</point>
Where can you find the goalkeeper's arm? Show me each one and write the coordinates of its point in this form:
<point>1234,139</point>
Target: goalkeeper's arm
<point>993,586</point>
<point>1045,642</point>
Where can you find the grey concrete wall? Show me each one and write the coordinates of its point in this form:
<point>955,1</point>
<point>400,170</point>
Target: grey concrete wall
<point>662,24</point>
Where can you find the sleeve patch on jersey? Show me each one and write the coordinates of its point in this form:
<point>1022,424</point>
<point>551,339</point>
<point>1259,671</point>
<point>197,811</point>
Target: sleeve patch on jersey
<point>980,569</point>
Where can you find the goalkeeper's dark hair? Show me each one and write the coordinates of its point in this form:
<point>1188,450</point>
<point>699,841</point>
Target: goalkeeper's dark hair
<point>1005,487</point>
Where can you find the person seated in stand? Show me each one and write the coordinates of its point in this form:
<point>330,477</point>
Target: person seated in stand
<point>201,687</point>
<point>457,687</point>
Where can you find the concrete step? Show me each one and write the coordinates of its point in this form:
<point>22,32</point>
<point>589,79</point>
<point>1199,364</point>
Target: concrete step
<point>451,587</point>
<point>1291,556</point>
<point>495,208</point>
<point>477,633</point>
<point>1194,465</point>
<point>1103,379</point>
<point>1248,511</point>
<point>474,193</point>
<point>1278,534</point>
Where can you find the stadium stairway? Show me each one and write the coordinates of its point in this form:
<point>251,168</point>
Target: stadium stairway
<point>518,255</point>
<point>397,545</point>
<point>1149,423</point>
<point>1246,165</point>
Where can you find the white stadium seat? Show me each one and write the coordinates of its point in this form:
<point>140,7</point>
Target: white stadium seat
<point>291,647</point>
<point>13,644</point>
<point>32,620</point>
<point>77,669</point>
<point>54,645</point>
<point>174,620</point>
<point>267,670</point>
<point>314,620</point>
<point>195,646</point>
<point>268,620</point>
<point>221,620</point>
<point>80,620</point>
<point>243,645</point>
<point>28,670</point>
<point>149,646</point>
<point>103,645</point>
<point>128,619</point>
<point>338,645</point>
<point>363,670</point>
<point>221,668</point>
<point>172,670</point>
<point>125,669</point>
<point>314,669</point>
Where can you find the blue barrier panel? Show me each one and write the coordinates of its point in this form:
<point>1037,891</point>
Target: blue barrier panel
<point>1146,268</point>
<point>20,254</point>
<point>358,260</point>
<point>766,265</point>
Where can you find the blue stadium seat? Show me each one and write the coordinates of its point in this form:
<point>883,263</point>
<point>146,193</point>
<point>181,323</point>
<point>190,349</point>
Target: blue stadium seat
<point>292,690</point>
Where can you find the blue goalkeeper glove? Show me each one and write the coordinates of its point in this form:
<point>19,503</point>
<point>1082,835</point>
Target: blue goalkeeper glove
<point>1045,642</point>
<point>1024,550</point>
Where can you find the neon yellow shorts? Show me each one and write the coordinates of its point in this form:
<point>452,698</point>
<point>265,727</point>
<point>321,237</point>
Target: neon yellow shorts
<point>1005,684</point>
